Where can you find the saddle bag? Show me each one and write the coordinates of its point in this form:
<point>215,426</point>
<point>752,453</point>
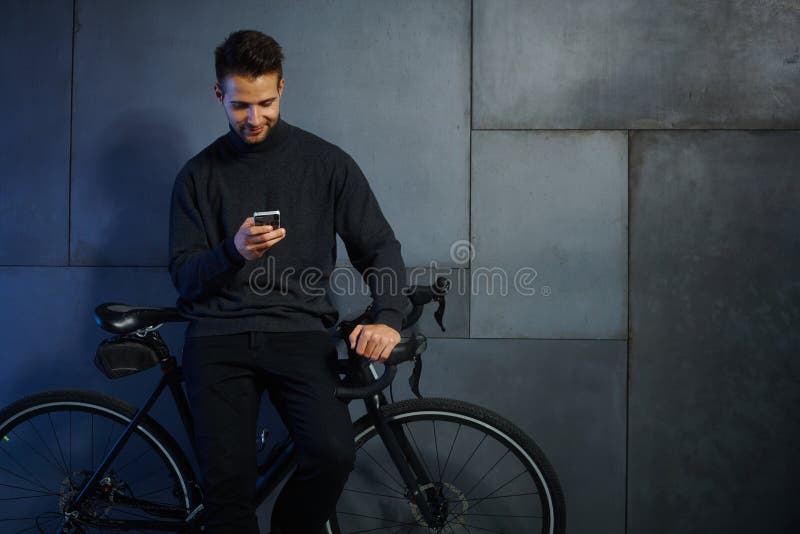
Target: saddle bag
<point>127,354</point>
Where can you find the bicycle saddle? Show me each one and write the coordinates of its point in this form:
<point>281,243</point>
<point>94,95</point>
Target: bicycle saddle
<point>123,319</point>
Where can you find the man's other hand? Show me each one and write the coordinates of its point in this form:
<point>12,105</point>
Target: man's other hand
<point>374,341</point>
<point>253,240</point>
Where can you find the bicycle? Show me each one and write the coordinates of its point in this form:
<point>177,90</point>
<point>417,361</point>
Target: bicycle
<point>78,461</point>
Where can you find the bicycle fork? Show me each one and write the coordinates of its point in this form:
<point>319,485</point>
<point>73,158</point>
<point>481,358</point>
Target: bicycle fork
<point>405,459</point>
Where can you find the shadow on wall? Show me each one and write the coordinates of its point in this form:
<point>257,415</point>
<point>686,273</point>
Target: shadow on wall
<point>134,172</point>
<point>132,176</point>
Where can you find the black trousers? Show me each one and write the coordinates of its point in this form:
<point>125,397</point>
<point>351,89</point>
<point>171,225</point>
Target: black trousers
<point>225,377</point>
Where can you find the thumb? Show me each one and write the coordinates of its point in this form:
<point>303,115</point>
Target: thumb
<point>248,222</point>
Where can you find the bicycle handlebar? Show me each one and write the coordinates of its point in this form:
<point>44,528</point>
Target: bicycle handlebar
<point>409,348</point>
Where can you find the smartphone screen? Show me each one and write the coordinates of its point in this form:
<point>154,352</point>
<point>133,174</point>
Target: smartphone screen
<point>270,218</point>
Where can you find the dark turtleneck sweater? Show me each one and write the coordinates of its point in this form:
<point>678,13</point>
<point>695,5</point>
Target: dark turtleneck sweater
<point>320,192</point>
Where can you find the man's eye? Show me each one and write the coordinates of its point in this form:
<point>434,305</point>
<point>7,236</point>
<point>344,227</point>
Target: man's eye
<point>238,106</point>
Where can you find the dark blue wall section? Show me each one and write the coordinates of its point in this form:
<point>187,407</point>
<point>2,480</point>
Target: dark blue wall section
<point>36,60</point>
<point>715,309</point>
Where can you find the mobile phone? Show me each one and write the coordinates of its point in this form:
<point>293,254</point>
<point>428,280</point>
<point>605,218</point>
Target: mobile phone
<point>269,218</point>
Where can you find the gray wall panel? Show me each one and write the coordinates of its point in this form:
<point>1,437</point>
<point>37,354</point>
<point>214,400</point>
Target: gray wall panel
<point>36,60</point>
<point>389,83</point>
<point>400,106</point>
<point>568,395</point>
<point>715,308</point>
<point>621,64</point>
<point>554,202</point>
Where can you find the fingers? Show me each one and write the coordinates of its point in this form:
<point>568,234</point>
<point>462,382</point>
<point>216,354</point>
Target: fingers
<point>372,347</point>
<point>254,240</point>
<point>354,335</point>
<point>372,344</point>
<point>387,351</point>
<point>258,229</point>
<point>265,237</point>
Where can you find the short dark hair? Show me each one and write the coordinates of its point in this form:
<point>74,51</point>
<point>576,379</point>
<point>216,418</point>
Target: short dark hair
<point>248,53</point>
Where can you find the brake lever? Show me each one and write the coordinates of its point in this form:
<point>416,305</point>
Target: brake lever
<point>439,313</point>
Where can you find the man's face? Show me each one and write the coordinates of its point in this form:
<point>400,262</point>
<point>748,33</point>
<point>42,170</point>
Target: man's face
<point>251,104</point>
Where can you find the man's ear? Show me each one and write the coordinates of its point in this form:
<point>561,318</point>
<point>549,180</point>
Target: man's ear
<point>218,92</point>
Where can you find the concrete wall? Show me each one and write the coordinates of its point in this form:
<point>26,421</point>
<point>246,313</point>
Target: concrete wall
<point>646,334</point>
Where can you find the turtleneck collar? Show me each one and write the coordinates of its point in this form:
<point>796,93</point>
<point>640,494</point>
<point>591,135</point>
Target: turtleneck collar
<point>275,138</point>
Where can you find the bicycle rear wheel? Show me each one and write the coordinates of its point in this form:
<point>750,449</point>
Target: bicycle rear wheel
<point>51,443</point>
<point>486,475</point>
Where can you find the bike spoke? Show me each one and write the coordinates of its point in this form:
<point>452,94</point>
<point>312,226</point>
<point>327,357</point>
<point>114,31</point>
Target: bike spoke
<point>23,478</point>
<point>58,444</point>
<point>37,526</point>
<point>69,443</point>
<point>526,516</point>
<point>17,519</point>
<point>33,449</point>
<point>139,515</point>
<point>108,441</point>
<point>447,460</point>
<point>487,498</point>
<point>499,488</point>
<point>47,492</point>
<point>387,473</point>
<point>466,493</point>
<point>394,523</point>
<point>453,480</point>
<point>149,474</point>
<point>461,514</point>
<point>91,433</point>
<point>401,497</point>
<point>436,447</point>
<point>30,497</point>
<point>422,457</point>
<point>53,454</point>
<point>119,469</point>
<point>35,481</point>
<point>142,496</point>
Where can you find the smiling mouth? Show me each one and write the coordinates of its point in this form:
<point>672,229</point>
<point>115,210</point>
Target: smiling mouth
<point>254,131</point>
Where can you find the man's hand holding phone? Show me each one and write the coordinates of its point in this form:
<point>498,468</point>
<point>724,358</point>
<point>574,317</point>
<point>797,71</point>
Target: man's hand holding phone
<point>253,240</point>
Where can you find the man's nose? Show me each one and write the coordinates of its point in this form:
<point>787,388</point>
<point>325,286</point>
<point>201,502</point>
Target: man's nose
<point>252,115</point>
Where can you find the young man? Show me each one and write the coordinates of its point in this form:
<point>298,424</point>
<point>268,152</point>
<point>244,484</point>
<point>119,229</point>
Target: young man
<point>255,295</point>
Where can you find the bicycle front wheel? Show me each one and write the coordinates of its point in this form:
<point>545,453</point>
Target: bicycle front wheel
<point>52,442</point>
<point>484,475</point>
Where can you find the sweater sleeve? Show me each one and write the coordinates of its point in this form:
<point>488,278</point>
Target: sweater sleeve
<point>196,267</point>
<point>371,244</point>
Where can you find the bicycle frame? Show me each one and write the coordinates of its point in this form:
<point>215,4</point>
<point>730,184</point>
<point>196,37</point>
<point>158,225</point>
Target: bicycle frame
<point>279,463</point>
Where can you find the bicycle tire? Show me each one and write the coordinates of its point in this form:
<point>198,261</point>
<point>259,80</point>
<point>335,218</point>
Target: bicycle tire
<point>396,513</point>
<point>50,448</point>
